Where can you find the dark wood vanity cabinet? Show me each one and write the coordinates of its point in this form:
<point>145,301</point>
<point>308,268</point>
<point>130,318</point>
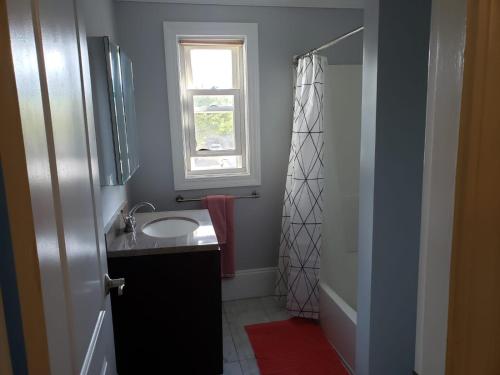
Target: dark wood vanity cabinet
<point>169,318</point>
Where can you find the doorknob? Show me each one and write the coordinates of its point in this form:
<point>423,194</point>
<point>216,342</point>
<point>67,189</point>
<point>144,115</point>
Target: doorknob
<point>110,283</point>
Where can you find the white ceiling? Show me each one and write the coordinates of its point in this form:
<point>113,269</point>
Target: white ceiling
<point>353,4</point>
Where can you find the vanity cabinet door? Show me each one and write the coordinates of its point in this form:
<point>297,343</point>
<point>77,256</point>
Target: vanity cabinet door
<point>169,318</point>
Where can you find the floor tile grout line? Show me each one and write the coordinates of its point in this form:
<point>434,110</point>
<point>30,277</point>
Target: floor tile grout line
<point>241,367</point>
<point>238,353</point>
<point>232,338</point>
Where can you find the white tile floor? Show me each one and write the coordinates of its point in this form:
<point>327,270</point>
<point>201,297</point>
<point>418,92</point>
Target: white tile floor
<point>239,358</point>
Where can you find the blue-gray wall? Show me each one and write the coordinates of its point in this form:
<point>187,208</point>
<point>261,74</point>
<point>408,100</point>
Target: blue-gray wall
<point>392,144</point>
<point>99,17</point>
<point>283,33</point>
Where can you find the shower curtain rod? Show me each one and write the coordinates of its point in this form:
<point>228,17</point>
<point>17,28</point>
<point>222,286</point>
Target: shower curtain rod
<point>329,44</point>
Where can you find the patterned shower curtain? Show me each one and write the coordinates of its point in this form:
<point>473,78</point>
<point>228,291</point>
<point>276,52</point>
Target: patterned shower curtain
<point>300,244</point>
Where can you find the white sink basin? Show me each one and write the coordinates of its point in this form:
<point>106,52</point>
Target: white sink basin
<point>170,227</point>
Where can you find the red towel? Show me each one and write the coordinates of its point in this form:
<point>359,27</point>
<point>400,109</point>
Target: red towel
<point>221,209</point>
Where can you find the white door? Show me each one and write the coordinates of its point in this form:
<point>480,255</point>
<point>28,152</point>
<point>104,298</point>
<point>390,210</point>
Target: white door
<point>72,153</point>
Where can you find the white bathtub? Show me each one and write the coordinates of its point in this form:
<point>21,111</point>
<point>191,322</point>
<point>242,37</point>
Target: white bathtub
<point>338,321</point>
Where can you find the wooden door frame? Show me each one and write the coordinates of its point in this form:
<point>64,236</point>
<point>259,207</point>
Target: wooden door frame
<point>445,273</point>
<point>474,310</point>
<point>444,95</point>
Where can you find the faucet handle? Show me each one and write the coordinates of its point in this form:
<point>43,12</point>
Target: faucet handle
<point>129,221</point>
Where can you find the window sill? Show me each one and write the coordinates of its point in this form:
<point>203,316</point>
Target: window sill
<point>196,183</point>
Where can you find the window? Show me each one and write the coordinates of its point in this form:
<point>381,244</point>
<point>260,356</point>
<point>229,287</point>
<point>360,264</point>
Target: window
<point>212,81</point>
<point>212,95</point>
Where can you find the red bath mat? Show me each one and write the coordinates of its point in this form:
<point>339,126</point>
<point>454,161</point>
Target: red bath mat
<point>293,347</point>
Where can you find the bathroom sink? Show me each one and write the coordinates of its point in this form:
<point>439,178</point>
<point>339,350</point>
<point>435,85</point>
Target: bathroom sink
<point>170,227</point>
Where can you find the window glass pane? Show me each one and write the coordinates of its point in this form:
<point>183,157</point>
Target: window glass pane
<point>214,122</point>
<point>212,68</point>
<point>204,163</point>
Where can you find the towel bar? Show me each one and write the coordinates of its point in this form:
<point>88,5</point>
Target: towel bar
<point>181,199</point>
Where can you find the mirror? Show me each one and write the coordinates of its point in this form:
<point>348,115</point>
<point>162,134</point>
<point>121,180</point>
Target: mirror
<point>114,111</point>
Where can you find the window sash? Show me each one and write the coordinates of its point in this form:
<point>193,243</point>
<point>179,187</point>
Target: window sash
<point>238,118</point>
<point>236,58</point>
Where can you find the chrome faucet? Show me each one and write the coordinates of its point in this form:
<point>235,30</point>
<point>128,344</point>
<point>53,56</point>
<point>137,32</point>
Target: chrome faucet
<point>129,219</point>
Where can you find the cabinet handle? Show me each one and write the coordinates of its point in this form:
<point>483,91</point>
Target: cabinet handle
<point>110,283</point>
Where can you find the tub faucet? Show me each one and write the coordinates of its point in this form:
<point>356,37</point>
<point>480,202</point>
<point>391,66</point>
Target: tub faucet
<point>129,219</point>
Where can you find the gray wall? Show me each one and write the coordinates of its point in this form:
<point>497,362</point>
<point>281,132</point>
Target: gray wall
<point>99,20</point>
<point>283,32</point>
<point>99,17</point>
<point>392,149</point>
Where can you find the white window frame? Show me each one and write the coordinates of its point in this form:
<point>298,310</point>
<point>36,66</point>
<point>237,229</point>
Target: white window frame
<point>182,149</point>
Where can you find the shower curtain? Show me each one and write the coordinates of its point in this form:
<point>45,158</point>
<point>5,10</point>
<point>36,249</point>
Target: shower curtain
<point>300,244</point>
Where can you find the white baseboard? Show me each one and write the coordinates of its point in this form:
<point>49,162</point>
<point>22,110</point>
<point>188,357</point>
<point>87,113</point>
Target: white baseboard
<point>257,282</point>
<point>338,321</point>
